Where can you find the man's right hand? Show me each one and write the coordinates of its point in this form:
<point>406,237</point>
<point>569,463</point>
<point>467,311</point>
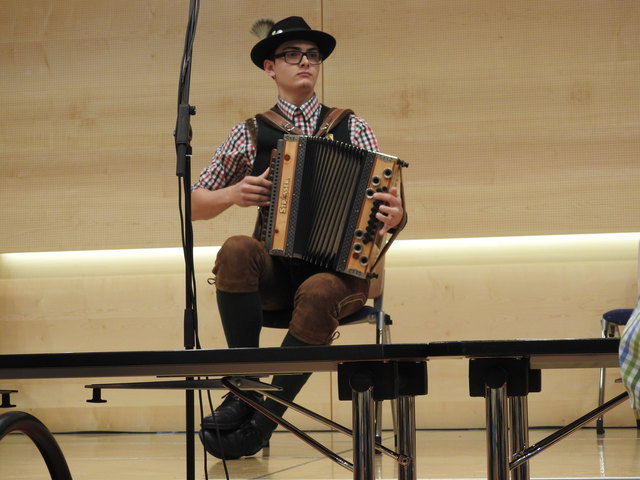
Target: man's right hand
<point>252,191</point>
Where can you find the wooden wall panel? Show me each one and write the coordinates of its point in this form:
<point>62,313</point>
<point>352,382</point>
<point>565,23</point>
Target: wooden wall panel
<point>439,291</point>
<point>517,117</point>
<point>88,110</point>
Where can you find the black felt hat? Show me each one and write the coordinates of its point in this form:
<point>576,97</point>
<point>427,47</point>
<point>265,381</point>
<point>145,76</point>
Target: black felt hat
<point>291,28</point>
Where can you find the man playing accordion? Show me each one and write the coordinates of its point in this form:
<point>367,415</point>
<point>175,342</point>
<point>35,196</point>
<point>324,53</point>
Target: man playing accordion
<point>248,279</point>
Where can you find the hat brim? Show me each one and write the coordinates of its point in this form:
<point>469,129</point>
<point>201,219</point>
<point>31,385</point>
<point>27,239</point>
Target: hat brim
<point>265,48</point>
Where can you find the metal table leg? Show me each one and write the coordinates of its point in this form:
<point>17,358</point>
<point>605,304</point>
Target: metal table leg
<point>363,435</point>
<point>497,457</point>
<point>519,433</point>
<point>365,382</point>
<point>495,379</point>
<point>406,421</point>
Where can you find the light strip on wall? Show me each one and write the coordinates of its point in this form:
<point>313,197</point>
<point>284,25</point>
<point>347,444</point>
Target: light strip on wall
<point>151,261</point>
<point>403,253</point>
<point>107,255</point>
<point>524,240</point>
<point>525,249</point>
<point>147,254</point>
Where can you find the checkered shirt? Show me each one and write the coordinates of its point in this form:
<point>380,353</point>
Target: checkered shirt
<point>233,160</point>
<point>629,352</point>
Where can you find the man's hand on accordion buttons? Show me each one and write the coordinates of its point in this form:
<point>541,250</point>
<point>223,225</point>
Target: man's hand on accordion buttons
<point>390,212</point>
<point>252,191</point>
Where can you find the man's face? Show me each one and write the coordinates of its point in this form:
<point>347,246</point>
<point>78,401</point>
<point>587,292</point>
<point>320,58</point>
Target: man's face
<point>291,79</point>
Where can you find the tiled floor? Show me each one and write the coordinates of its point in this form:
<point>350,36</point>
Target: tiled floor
<point>442,454</point>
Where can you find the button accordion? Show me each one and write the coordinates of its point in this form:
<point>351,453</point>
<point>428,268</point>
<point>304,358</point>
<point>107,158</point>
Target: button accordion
<point>322,209</point>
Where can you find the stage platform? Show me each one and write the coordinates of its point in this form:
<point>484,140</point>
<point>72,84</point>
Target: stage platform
<point>500,371</point>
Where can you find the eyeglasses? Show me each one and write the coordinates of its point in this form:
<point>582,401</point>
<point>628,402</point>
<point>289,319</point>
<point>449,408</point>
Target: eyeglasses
<point>294,57</point>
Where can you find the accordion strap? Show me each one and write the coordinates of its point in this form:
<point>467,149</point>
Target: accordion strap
<point>330,121</point>
<point>278,121</point>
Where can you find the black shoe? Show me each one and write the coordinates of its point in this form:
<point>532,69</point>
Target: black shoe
<point>231,413</point>
<point>244,441</point>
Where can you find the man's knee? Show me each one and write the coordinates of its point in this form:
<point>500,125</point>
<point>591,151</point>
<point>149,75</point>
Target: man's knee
<point>322,290</point>
<point>334,293</point>
<point>238,264</point>
<point>320,301</point>
<point>239,248</point>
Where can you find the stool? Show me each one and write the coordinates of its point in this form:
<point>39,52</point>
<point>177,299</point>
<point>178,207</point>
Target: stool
<point>611,323</point>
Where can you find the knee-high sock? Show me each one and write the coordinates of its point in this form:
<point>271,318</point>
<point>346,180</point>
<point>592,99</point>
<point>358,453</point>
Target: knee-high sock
<point>291,386</point>
<point>241,315</point>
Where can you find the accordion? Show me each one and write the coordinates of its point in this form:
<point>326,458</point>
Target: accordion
<point>322,209</point>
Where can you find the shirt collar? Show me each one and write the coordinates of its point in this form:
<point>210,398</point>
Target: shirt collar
<point>309,109</point>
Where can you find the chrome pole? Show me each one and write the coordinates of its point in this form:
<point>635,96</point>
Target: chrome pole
<point>498,463</point>
<point>407,436</point>
<point>363,435</point>
<point>519,433</point>
<point>555,437</point>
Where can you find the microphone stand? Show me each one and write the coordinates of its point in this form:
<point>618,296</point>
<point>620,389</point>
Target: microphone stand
<point>183,134</point>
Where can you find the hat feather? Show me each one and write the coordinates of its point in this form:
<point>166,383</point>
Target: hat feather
<point>262,27</point>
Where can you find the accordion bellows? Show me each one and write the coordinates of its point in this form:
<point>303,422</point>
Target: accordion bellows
<point>322,209</point>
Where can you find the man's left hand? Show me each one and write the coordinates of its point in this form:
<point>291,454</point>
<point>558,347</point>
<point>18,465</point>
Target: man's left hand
<point>390,212</point>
